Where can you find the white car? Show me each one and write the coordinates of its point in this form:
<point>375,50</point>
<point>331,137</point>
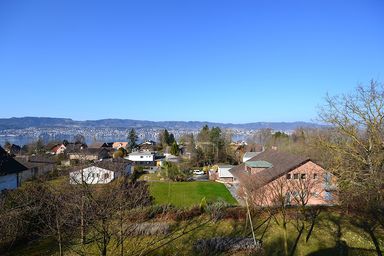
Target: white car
<point>198,172</point>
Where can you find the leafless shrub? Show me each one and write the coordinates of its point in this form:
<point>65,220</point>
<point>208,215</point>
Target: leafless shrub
<point>227,244</point>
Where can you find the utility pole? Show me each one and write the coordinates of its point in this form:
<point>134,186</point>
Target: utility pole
<point>249,216</point>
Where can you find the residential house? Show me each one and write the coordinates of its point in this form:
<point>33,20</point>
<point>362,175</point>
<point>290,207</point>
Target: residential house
<point>101,145</point>
<point>223,173</point>
<point>148,146</point>
<point>102,172</point>
<point>36,166</point>
<point>292,175</point>
<point>172,158</point>
<point>117,145</point>
<point>75,147</point>
<point>90,154</point>
<point>10,170</point>
<point>58,149</point>
<point>142,158</point>
<point>13,149</point>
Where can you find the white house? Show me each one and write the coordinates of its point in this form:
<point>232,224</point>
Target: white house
<point>224,174</point>
<point>142,158</point>
<point>58,149</point>
<point>100,173</point>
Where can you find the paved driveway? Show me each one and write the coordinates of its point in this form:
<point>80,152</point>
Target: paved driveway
<point>200,177</point>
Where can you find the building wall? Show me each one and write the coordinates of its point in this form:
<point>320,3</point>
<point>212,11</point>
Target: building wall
<point>224,172</point>
<point>141,157</point>
<point>61,150</point>
<point>9,181</point>
<point>35,172</point>
<point>92,175</point>
<point>226,179</point>
<point>83,157</point>
<point>314,188</point>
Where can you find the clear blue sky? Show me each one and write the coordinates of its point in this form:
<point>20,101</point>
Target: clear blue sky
<point>226,61</point>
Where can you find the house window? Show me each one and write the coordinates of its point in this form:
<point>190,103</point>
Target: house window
<point>287,198</point>
<point>288,176</point>
<point>328,196</point>
<point>106,176</point>
<point>296,176</point>
<point>315,194</point>
<point>315,176</point>
<point>303,176</point>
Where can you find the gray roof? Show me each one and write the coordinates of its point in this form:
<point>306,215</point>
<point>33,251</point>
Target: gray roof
<point>282,163</point>
<point>8,165</point>
<point>116,165</point>
<point>225,166</point>
<point>141,153</point>
<point>259,164</point>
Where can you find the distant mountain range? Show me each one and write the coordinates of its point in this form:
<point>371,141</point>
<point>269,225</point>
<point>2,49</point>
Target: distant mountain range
<point>46,122</point>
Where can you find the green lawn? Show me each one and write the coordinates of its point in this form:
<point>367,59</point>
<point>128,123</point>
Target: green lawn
<point>184,194</point>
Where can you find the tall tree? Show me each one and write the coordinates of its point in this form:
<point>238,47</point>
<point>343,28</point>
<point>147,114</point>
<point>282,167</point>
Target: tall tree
<point>175,149</point>
<point>132,139</point>
<point>355,141</point>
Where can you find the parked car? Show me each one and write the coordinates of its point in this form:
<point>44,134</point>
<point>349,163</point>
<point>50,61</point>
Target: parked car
<point>198,172</point>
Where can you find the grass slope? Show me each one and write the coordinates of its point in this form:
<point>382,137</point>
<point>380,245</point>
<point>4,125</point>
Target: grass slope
<point>331,228</point>
<point>184,194</point>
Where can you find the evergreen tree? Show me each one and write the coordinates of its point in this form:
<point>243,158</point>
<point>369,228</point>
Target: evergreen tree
<point>174,149</point>
<point>132,139</point>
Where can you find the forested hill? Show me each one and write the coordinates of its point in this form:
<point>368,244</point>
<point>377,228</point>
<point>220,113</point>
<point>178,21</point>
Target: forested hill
<point>38,122</point>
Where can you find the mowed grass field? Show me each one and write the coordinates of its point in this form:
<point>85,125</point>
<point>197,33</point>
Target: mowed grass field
<point>185,194</point>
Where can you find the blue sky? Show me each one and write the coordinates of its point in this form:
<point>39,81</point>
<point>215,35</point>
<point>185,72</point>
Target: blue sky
<point>225,61</point>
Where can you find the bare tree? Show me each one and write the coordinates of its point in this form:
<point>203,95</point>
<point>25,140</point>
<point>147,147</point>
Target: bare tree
<point>355,139</point>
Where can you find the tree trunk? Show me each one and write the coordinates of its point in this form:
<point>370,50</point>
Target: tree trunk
<point>82,224</point>
<point>297,240</point>
<point>313,222</point>
<point>375,242</point>
<point>285,238</point>
<point>59,238</point>
<point>121,233</point>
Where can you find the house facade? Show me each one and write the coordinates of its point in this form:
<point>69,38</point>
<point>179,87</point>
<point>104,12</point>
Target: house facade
<point>36,166</point>
<point>148,146</point>
<point>272,176</point>
<point>142,158</point>
<point>101,173</point>
<point>223,173</point>
<point>58,149</point>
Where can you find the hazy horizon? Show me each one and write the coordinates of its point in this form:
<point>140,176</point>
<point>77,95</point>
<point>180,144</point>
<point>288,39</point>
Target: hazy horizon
<point>146,120</point>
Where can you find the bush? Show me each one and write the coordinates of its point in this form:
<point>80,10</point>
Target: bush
<point>187,214</point>
<point>235,213</point>
<point>227,244</point>
<point>216,209</point>
<point>150,229</point>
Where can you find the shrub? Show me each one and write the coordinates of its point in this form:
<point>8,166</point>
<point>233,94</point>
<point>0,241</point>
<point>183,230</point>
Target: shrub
<point>227,244</point>
<point>150,229</point>
<point>216,209</point>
